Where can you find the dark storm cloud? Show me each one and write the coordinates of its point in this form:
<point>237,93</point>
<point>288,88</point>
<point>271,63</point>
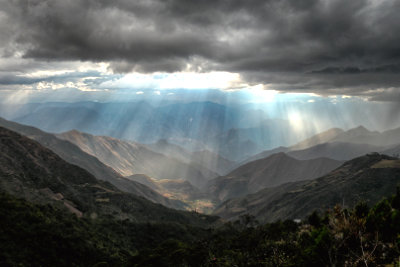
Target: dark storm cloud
<point>15,79</point>
<point>302,45</point>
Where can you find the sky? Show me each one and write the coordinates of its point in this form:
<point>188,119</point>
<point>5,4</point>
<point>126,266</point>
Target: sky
<point>257,51</point>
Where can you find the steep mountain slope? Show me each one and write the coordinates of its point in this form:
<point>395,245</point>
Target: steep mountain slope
<point>368,178</point>
<point>130,158</point>
<point>72,154</point>
<point>271,171</point>
<point>33,172</point>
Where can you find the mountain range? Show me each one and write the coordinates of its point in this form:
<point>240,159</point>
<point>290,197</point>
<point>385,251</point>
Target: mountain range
<point>130,158</point>
<point>339,144</point>
<point>366,178</point>
<point>234,132</point>
<point>74,155</point>
<point>176,177</point>
<point>30,171</point>
<point>271,171</point>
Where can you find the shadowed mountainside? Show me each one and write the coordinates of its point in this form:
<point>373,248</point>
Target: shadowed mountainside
<point>367,178</point>
<point>74,155</point>
<point>35,173</point>
<point>274,170</point>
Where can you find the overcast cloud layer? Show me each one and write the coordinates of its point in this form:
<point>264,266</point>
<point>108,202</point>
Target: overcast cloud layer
<point>321,46</point>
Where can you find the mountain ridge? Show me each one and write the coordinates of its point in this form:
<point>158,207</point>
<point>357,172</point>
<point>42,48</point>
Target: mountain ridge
<point>30,171</point>
<point>76,156</point>
<point>359,140</point>
<point>274,170</point>
<point>366,178</point>
<point>130,158</point>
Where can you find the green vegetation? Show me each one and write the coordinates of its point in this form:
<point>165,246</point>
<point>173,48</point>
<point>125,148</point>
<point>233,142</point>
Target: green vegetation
<point>340,237</point>
<point>44,235</point>
<point>32,234</point>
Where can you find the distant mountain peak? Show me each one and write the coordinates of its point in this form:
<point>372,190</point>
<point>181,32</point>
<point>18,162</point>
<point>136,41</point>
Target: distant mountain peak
<point>359,130</point>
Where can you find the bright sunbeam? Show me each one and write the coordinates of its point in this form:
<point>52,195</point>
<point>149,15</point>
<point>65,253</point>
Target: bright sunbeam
<point>260,94</point>
<point>296,120</point>
<point>180,80</point>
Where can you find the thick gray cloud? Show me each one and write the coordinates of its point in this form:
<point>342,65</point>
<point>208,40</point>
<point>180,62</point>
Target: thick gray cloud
<point>321,46</point>
<point>12,79</point>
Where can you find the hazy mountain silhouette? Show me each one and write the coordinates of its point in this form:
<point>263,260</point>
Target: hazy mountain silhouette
<point>317,139</point>
<point>130,158</point>
<point>212,161</point>
<point>233,132</point>
<point>338,144</point>
<point>201,158</point>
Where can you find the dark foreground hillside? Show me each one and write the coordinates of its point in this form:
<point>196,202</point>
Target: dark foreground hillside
<point>42,235</point>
